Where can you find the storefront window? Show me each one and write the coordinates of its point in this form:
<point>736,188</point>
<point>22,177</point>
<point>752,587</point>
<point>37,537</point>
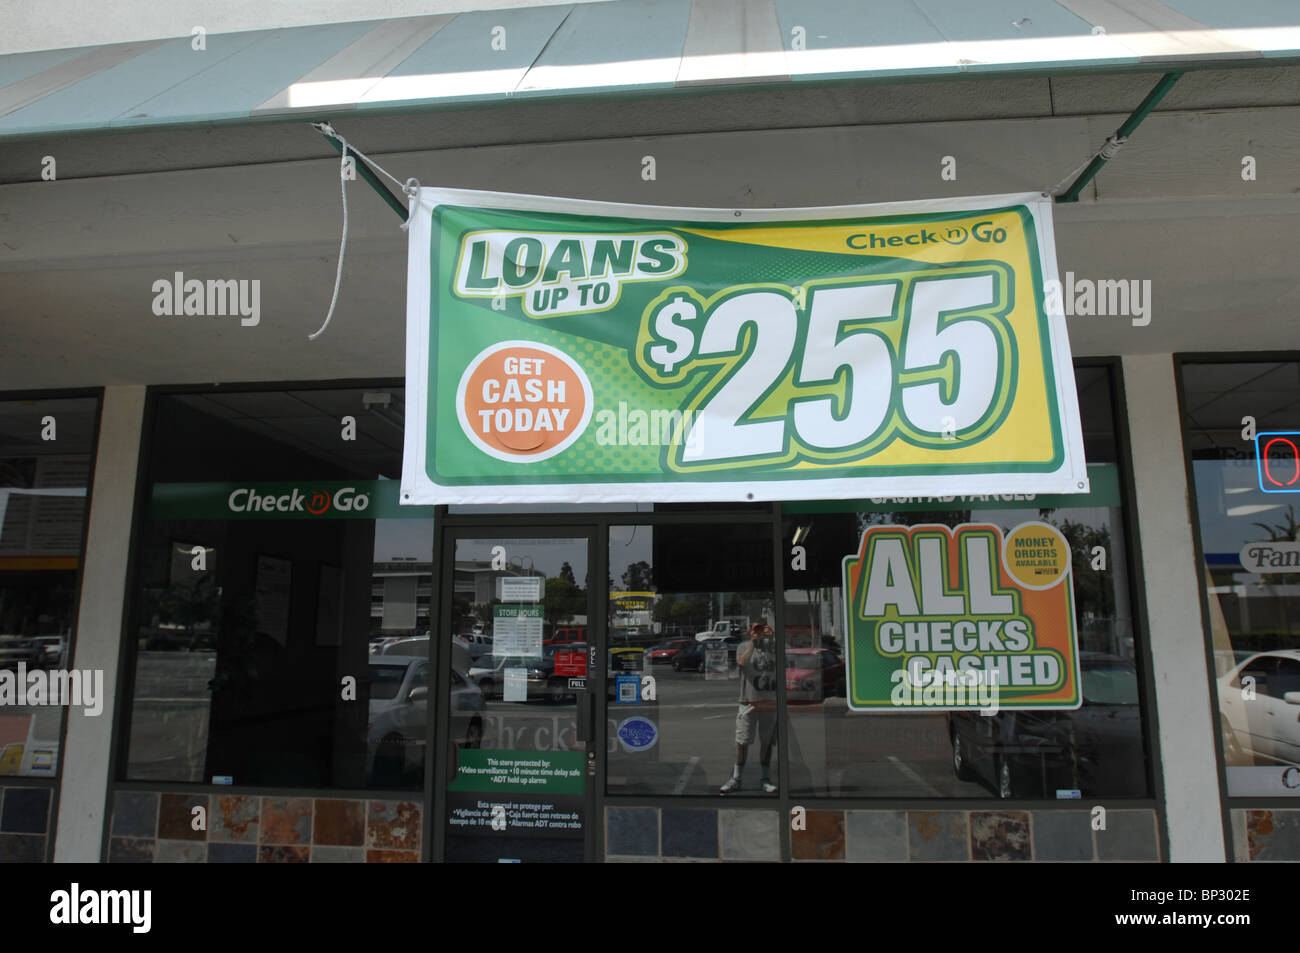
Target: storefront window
<point>46,448</point>
<point>281,619</point>
<point>685,603</point>
<point>1095,750</point>
<point>1242,436</point>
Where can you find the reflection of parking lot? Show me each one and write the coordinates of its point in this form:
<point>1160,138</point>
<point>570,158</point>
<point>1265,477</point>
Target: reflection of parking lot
<point>169,721</point>
<point>831,751</point>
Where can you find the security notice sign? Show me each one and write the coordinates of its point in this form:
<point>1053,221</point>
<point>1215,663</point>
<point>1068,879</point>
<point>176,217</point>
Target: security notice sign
<point>562,350</point>
<point>961,619</point>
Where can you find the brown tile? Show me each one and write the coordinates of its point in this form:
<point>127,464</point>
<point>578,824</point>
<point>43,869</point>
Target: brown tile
<point>1259,825</point>
<point>283,854</point>
<point>393,825</point>
<point>392,857</point>
<point>234,818</point>
<point>999,835</point>
<point>823,840</point>
<point>285,820</point>
<point>30,849</point>
<point>176,816</point>
<point>131,850</point>
<point>339,822</point>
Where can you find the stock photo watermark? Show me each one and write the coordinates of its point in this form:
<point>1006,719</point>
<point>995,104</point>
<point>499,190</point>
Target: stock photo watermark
<point>55,688</point>
<point>1106,297</point>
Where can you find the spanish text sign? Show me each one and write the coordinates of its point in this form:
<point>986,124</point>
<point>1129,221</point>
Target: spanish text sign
<point>560,350</point>
<point>961,619</point>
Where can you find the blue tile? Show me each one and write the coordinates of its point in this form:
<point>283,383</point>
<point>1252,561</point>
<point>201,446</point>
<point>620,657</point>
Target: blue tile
<point>232,853</point>
<point>632,830</point>
<point>938,835</point>
<point>875,836</point>
<point>1129,835</point>
<point>135,814</point>
<point>26,811</point>
<point>1062,835</point>
<point>690,833</point>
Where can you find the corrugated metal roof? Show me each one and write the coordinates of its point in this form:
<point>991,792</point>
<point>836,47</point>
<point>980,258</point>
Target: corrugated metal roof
<point>624,46</point>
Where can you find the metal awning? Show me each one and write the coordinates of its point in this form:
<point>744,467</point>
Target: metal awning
<point>621,46</point>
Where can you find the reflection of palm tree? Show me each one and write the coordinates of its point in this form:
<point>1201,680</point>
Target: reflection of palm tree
<point>1281,532</point>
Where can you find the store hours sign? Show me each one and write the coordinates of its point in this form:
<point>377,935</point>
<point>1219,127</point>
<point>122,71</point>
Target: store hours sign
<point>560,351</point>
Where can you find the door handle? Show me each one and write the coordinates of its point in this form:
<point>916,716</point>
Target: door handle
<point>586,728</point>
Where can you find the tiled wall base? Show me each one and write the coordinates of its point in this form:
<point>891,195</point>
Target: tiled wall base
<point>1266,835</point>
<point>247,829</point>
<point>24,824</point>
<point>675,834</point>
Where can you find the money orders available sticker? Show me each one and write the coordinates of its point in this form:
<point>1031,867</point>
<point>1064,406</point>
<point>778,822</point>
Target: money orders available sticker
<point>520,401</point>
<point>1036,555</point>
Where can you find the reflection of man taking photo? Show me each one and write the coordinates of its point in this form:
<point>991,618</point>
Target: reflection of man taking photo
<point>757,662</point>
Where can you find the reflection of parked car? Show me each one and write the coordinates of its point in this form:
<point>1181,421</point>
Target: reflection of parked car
<point>664,652</point>
<point>726,629</point>
<point>412,645</point>
<point>477,644</point>
<point>399,699</point>
<point>813,674</point>
<point>18,648</point>
<point>1268,725</point>
<point>566,634</point>
<point>1095,749</point>
<point>689,659</point>
<point>52,648</point>
<point>489,674</point>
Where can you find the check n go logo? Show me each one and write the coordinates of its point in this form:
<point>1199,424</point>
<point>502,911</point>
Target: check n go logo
<point>343,500</point>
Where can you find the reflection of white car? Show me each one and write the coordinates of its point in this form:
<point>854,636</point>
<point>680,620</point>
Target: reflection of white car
<point>489,673</point>
<point>52,648</point>
<point>399,704</point>
<point>1267,725</point>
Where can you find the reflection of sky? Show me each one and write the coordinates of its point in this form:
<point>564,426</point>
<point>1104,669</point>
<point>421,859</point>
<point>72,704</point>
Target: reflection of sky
<point>628,545</point>
<point>1093,516</point>
<point>1230,503</point>
<point>404,539</point>
<point>544,554</point>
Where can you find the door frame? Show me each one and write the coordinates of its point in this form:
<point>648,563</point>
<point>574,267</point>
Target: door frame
<point>437,768</point>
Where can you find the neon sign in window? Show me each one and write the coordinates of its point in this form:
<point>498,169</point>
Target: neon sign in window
<point>1277,458</point>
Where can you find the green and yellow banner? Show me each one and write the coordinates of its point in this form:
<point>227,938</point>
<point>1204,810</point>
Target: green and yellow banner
<point>569,351</point>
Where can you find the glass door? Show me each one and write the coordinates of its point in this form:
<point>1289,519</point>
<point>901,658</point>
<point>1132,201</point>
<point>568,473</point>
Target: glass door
<point>518,725</point>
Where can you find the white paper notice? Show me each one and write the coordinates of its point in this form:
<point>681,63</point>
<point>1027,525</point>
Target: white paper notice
<point>516,687</point>
<point>517,630</point>
<point>521,588</point>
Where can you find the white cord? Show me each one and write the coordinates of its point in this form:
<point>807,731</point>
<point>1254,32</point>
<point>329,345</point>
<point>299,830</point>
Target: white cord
<point>411,188</point>
<point>406,186</point>
<point>1108,151</point>
<point>1112,146</point>
<point>343,242</point>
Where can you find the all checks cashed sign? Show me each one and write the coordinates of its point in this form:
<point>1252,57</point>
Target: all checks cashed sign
<point>966,618</point>
<point>561,351</point>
